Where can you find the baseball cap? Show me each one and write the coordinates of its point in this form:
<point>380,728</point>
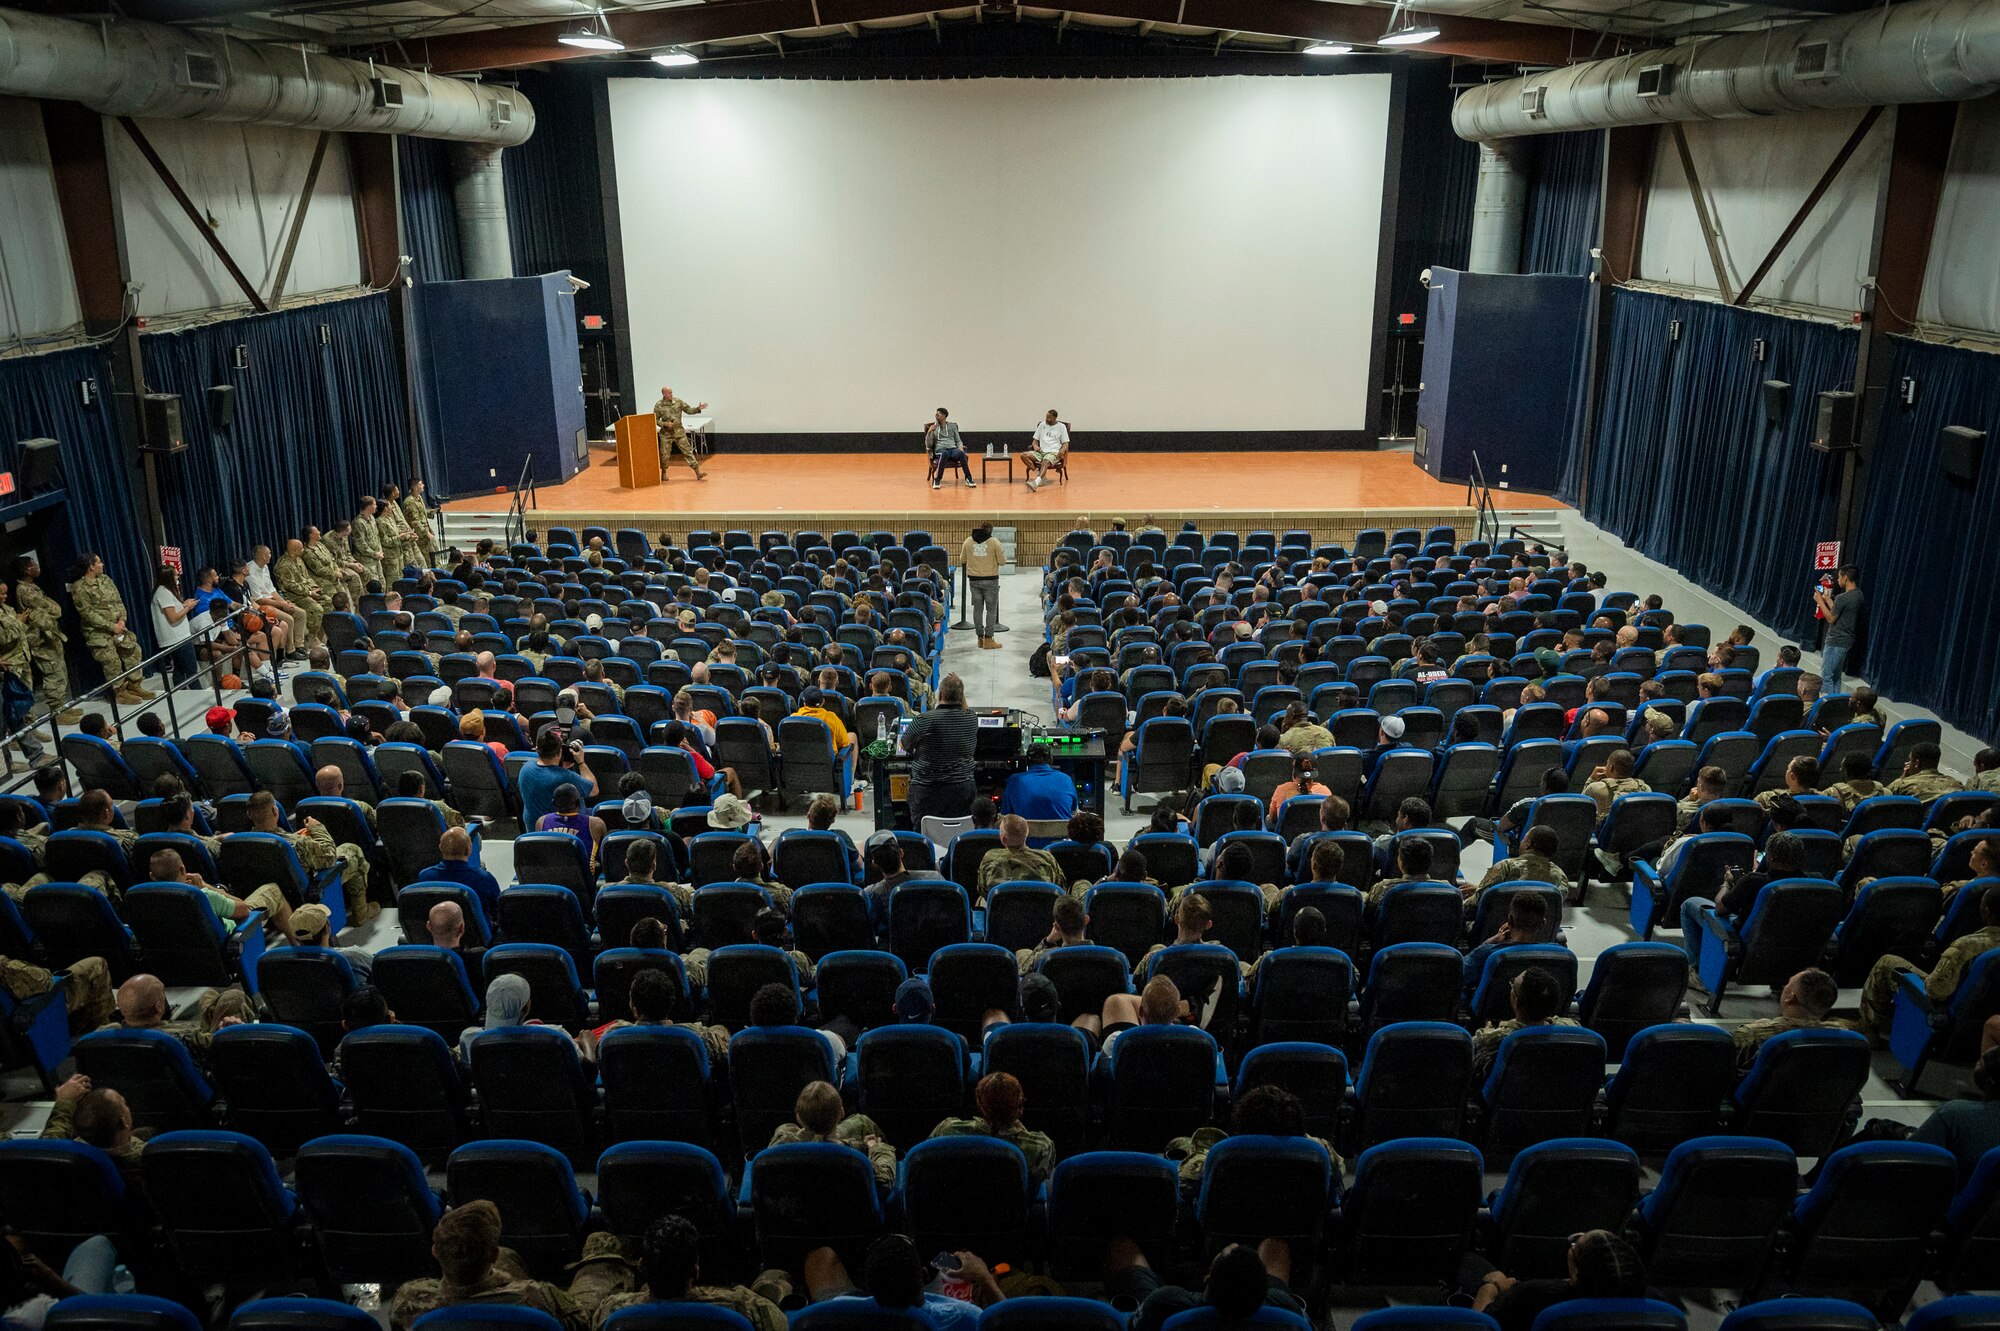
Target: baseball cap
<point>914,1002</point>
<point>1378,607</point>
<point>1392,726</point>
<point>308,920</point>
<point>280,723</point>
<point>729,813</point>
<point>1229,780</point>
<point>220,716</point>
<point>1039,999</point>
<point>638,808</point>
<point>593,621</point>
<point>441,696</point>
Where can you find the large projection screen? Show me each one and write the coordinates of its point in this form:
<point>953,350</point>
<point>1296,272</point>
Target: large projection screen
<point>1148,255</point>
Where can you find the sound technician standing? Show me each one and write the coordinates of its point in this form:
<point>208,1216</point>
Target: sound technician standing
<point>1843,612</point>
<point>940,744</point>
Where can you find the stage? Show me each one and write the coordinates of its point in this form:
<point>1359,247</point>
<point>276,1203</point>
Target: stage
<point>1331,494</point>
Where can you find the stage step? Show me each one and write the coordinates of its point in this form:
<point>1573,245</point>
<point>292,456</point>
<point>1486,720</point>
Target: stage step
<point>1535,524</point>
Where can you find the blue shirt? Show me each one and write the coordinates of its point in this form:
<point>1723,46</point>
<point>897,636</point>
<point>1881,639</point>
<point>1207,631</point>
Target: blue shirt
<point>468,875</point>
<point>538,784</point>
<point>1041,792</point>
<point>943,1313</point>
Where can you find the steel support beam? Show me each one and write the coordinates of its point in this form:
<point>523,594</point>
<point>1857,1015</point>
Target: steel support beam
<point>1710,233</point>
<point>1804,210</point>
<point>1906,205</point>
<point>1314,20</point>
<point>299,216</point>
<point>194,214</point>
<point>1626,178</point>
<point>93,228</point>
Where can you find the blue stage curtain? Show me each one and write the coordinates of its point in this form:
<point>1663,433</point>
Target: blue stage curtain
<point>430,220</point>
<point>40,398</point>
<point>317,425</point>
<point>1562,216</point>
<point>1685,468</point>
<point>555,213</point>
<point>1924,543</point>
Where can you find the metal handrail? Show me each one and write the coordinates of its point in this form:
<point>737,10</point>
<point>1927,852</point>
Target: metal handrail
<point>524,498</point>
<point>1478,493</point>
<point>107,692</point>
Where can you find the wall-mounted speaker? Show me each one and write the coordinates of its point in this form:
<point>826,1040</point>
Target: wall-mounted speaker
<point>1960,451</point>
<point>1835,428</point>
<point>163,424</point>
<point>1777,400</point>
<point>37,466</point>
<point>222,405</point>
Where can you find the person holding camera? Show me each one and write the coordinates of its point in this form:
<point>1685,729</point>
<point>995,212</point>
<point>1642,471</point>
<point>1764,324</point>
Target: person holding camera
<point>558,762</point>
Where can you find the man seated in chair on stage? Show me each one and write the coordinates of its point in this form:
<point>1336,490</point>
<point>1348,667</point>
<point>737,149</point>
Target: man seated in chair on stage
<point>1050,448</point>
<point>942,442</point>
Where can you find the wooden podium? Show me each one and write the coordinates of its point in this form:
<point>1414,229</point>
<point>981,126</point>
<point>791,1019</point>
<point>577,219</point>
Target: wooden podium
<point>638,451</point>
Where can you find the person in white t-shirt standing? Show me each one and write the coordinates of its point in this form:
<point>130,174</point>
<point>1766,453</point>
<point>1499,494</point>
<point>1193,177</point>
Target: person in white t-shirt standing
<point>1050,448</point>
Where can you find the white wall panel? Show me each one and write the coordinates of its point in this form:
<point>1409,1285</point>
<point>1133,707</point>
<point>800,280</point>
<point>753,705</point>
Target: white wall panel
<point>1143,254</point>
<point>246,179</point>
<point>1962,286</point>
<point>1755,174</point>
<point>37,287</point>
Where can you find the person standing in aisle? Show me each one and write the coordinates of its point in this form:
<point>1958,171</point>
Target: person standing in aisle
<point>940,744</point>
<point>367,543</point>
<point>981,556</point>
<point>41,617</point>
<point>418,514</point>
<point>399,543</point>
<point>1843,612</point>
<point>667,413</point>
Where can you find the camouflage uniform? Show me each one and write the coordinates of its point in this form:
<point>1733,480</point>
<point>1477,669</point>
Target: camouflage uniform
<point>1750,1036</point>
<point>673,435</point>
<point>399,543</point>
<point>1193,1153</point>
<point>324,570</point>
<point>100,609</point>
<point>1381,889</point>
<point>42,618</point>
<point>295,583</point>
<point>1027,864</point>
<point>1525,867</point>
<point>61,1127</point>
<point>1611,787</point>
<point>367,542</point>
<point>88,993</point>
<point>1851,793</point>
<point>507,1283</point>
<point>418,515</point>
<point>1486,1042</point>
<point>713,1038</point>
<point>317,853</point>
<point>1878,992</point>
<point>607,1280</point>
<point>854,1130</point>
<point>1988,780</point>
<point>342,549</point>
<point>1925,786</point>
<point>1036,1146</point>
<point>14,660</point>
<point>695,963</point>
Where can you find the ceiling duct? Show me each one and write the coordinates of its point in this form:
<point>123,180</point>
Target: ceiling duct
<point>154,72</point>
<point>1923,51</point>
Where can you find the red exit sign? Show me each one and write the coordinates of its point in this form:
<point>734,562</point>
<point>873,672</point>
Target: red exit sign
<point>6,482</point>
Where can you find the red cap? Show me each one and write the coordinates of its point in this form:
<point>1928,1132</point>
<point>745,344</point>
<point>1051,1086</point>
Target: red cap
<point>220,716</point>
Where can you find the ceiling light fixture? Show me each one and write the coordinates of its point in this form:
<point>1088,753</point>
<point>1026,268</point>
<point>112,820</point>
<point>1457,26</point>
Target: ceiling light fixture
<point>1328,48</point>
<point>594,35</point>
<point>676,57</point>
<point>1406,29</point>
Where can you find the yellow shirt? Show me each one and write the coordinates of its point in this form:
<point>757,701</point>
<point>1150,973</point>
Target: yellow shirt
<point>981,562</point>
<point>840,737</point>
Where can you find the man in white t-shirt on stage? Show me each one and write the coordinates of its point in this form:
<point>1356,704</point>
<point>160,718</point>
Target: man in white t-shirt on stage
<point>1051,445</point>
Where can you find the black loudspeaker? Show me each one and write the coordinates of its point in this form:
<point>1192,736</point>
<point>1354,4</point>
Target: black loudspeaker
<point>39,466</point>
<point>163,424</point>
<point>1960,450</point>
<point>222,406</point>
<point>1835,430</point>
<point>1777,398</point>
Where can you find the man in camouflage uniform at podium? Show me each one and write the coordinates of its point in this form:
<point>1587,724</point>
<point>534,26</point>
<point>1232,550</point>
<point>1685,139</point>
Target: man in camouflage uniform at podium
<point>667,414</point>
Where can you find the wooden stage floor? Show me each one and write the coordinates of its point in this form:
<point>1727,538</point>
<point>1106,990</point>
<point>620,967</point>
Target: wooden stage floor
<point>1127,485</point>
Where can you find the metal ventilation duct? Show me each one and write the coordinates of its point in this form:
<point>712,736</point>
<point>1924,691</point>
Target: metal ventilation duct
<point>152,71</point>
<point>1924,51</point>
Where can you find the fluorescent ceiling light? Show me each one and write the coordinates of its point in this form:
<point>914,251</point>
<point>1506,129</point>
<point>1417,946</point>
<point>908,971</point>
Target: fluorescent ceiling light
<point>1405,29</point>
<point>594,35</point>
<point>1328,48</point>
<point>675,58</point>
